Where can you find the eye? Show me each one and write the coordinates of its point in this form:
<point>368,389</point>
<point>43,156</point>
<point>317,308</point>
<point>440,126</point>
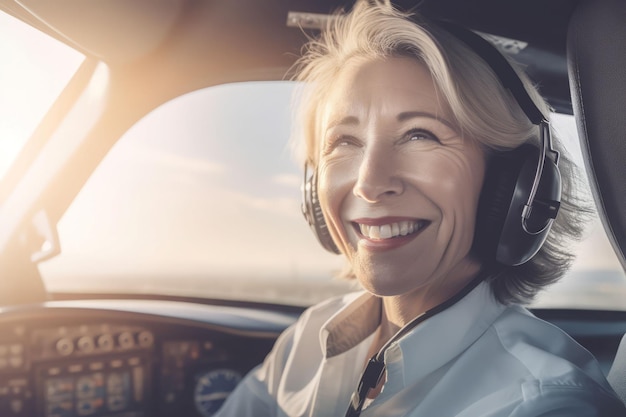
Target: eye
<point>420,134</point>
<point>339,141</point>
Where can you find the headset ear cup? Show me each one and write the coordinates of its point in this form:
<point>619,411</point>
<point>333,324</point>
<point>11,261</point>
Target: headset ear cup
<point>501,234</point>
<point>493,206</point>
<point>315,217</point>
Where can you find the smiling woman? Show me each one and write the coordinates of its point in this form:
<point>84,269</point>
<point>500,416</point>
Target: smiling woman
<point>35,70</point>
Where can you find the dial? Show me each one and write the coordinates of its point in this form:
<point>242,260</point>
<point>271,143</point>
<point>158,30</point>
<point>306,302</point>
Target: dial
<point>106,342</point>
<point>126,340</point>
<point>86,344</point>
<point>65,346</point>
<point>213,388</point>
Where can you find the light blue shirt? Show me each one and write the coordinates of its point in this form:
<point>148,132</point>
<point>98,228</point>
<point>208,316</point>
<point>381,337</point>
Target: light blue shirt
<point>477,358</point>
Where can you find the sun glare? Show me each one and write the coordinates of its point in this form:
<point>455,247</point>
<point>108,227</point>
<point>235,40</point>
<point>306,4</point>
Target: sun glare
<point>35,69</point>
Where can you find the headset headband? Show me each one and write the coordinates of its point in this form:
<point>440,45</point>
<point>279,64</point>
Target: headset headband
<point>500,66</point>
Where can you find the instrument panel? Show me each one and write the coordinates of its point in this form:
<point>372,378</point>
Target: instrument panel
<point>140,361</point>
<point>157,358</point>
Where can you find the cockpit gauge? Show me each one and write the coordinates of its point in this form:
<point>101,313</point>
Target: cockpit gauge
<point>212,389</point>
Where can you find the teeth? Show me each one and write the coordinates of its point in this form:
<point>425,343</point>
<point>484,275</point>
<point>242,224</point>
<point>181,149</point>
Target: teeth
<point>388,231</point>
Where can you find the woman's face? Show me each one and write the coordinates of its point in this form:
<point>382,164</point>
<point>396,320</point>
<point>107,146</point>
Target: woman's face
<point>398,184</point>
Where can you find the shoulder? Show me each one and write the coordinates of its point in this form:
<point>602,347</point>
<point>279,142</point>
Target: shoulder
<point>535,343</point>
<point>563,378</point>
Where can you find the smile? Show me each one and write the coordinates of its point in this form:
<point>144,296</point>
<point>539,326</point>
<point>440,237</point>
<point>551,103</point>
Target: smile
<point>391,230</point>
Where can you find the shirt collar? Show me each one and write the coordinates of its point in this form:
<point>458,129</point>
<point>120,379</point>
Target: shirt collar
<point>451,330</point>
<point>352,324</point>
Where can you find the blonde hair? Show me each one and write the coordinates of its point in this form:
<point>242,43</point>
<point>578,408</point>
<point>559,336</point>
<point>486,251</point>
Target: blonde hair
<point>474,97</point>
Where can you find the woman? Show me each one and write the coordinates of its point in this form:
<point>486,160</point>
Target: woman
<point>402,125</point>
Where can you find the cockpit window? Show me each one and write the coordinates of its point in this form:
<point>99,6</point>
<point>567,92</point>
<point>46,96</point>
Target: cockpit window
<point>201,198</point>
<point>35,68</point>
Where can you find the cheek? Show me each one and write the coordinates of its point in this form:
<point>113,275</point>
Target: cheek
<point>455,182</point>
<point>470,175</point>
<point>463,186</point>
<point>334,184</point>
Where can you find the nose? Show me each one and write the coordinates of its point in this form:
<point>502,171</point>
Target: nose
<point>378,176</point>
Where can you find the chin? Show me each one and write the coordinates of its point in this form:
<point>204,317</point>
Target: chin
<point>384,287</point>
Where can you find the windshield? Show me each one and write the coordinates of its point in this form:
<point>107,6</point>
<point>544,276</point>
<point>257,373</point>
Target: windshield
<point>35,69</point>
<point>202,198</point>
<point>199,198</point>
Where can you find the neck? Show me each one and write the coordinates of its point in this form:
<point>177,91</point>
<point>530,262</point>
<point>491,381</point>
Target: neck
<point>399,310</point>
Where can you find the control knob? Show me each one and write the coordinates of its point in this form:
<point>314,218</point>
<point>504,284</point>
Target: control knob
<point>86,344</point>
<point>64,346</point>
<point>106,342</point>
<point>145,339</point>
<point>126,340</point>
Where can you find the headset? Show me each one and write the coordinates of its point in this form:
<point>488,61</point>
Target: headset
<point>312,211</point>
<point>521,193</point>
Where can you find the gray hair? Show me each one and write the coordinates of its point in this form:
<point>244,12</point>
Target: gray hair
<point>480,108</point>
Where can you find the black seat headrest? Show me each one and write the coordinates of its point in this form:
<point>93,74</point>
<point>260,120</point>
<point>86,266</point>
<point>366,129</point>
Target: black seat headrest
<point>596,49</point>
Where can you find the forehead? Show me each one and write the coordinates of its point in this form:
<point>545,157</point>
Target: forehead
<point>398,84</point>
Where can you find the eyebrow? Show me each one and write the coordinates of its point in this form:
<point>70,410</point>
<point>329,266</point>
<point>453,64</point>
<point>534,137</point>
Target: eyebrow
<point>414,114</point>
<point>348,120</point>
<point>402,117</point>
